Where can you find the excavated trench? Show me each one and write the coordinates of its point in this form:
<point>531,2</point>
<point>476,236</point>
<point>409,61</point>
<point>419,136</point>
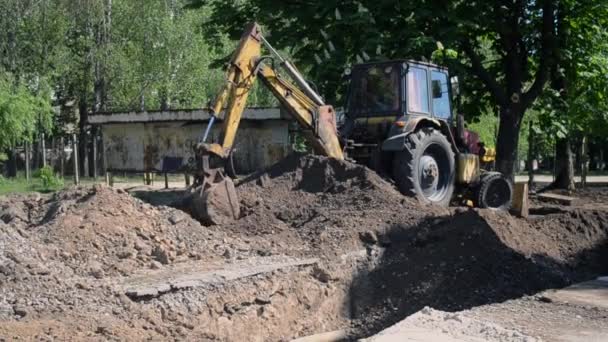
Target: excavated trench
<point>450,263</point>
<point>322,246</point>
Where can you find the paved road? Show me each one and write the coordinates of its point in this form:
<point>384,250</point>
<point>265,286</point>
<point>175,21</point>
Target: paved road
<point>549,179</point>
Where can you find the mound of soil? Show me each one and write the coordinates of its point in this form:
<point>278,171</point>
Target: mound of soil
<point>475,257</point>
<point>102,231</point>
<point>309,202</point>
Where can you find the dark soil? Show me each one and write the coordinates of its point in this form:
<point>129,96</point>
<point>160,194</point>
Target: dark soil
<point>314,204</point>
<point>476,257</point>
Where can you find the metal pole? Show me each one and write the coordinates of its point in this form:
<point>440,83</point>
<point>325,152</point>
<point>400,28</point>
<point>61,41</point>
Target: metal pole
<point>208,129</point>
<point>75,150</point>
<point>95,154</point>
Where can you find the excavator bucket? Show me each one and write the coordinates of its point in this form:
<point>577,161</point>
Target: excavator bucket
<point>215,200</point>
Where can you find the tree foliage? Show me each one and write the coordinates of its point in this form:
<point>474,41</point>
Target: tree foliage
<point>22,112</point>
<point>502,49</point>
<point>577,104</point>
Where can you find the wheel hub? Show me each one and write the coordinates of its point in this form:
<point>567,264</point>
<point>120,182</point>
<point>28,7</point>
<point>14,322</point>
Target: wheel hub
<point>429,173</point>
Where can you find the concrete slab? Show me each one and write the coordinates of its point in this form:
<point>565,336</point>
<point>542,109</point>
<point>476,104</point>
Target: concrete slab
<point>429,325</point>
<point>591,293</point>
<point>156,283</point>
<point>417,334</point>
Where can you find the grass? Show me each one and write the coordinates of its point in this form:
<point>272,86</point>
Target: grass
<point>21,185</point>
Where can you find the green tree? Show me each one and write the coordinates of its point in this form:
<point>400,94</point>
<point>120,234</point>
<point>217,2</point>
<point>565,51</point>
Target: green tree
<point>506,46</point>
<point>576,104</point>
<point>23,113</point>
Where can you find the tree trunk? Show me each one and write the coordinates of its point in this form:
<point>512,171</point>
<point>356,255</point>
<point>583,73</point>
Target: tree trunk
<point>82,139</point>
<point>531,156</point>
<point>164,99</point>
<point>508,139</point>
<point>564,178</point>
<point>11,163</point>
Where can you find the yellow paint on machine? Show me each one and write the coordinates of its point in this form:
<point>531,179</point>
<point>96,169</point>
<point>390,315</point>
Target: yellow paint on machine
<point>468,168</point>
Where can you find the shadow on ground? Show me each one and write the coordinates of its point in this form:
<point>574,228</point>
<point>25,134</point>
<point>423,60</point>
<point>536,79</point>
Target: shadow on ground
<point>156,197</point>
<point>456,264</point>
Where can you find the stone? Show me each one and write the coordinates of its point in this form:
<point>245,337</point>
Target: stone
<point>368,237</point>
<point>262,300</point>
<point>155,265</point>
<point>6,269</point>
<point>20,310</point>
<point>321,274</point>
<point>38,269</point>
<point>227,254</point>
<point>175,218</point>
<point>161,255</point>
<point>125,253</point>
<point>96,269</point>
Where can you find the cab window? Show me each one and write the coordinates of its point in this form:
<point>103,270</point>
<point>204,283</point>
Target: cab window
<point>375,90</point>
<point>441,95</point>
<point>417,90</point>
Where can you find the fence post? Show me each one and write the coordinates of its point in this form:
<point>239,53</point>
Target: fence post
<point>27,161</point>
<point>75,150</point>
<point>95,154</point>
<point>62,157</point>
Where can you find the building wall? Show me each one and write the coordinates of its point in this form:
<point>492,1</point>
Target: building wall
<point>144,146</point>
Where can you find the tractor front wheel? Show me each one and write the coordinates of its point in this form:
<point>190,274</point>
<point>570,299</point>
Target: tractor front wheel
<point>426,167</point>
<point>494,191</point>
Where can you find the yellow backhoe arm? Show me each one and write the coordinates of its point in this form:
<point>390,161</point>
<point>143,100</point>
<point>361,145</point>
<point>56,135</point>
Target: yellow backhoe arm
<point>215,200</point>
<point>316,119</point>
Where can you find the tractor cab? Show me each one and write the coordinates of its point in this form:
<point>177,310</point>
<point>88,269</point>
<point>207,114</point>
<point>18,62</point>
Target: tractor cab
<point>398,88</point>
<point>384,94</point>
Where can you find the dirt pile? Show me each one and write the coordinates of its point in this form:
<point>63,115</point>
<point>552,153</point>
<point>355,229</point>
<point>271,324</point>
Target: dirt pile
<point>102,231</point>
<point>382,256</point>
<point>306,203</point>
<point>475,257</point>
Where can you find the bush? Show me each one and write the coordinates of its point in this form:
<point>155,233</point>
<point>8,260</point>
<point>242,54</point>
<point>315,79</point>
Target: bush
<point>299,143</point>
<point>48,178</point>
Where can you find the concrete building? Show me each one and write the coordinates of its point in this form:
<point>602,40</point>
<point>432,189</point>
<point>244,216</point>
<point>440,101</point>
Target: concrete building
<point>163,141</point>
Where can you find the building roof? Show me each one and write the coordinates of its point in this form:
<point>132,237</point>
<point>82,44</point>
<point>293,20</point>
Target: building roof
<point>262,113</point>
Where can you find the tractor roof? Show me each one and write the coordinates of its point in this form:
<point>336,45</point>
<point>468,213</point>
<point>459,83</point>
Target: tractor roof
<point>408,61</point>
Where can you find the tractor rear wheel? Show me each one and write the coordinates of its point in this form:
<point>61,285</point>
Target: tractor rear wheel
<point>426,167</point>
